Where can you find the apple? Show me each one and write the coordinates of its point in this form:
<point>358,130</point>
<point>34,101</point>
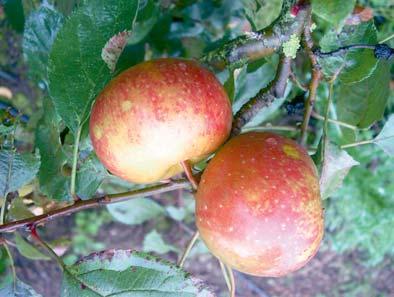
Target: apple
<point>157,114</point>
<point>258,205</point>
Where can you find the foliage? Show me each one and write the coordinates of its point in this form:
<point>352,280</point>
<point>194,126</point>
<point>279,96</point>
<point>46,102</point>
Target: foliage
<point>359,214</point>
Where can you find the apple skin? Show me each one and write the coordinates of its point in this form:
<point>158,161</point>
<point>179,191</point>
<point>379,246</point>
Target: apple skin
<point>258,205</point>
<point>156,114</point>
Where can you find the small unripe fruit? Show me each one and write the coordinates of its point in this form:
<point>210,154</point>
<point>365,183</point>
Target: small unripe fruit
<point>157,114</point>
<point>258,205</point>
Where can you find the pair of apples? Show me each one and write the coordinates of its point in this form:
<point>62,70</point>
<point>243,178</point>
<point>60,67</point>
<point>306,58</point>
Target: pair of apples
<point>258,206</point>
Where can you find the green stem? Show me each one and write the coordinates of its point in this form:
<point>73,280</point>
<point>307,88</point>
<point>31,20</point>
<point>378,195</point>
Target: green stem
<point>339,123</point>
<point>225,274</point>
<point>232,280</point>
<point>271,128</point>
<point>7,249</point>
<point>325,124</point>
<point>74,164</point>
<point>387,39</point>
<point>358,143</point>
<point>188,249</point>
<point>50,251</point>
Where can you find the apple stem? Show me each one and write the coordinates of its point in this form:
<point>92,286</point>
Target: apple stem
<point>188,249</point>
<point>189,174</point>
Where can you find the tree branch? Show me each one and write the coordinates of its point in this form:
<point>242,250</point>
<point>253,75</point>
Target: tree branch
<point>264,98</point>
<point>256,45</point>
<point>92,203</point>
<point>381,51</point>
<point>314,83</point>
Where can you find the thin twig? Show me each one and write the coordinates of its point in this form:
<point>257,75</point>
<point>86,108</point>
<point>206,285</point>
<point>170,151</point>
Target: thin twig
<point>7,249</point>
<point>314,83</point>
<point>342,50</point>
<point>225,274</point>
<point>295,80</point>
<point>189,174</point>
<point>188,249</point>
<point>74,164</point>
<point>358,143</point>
<point>325,123</point>
<point>339,123</point>
<point>92,203</point>
<point>36,237</point>
<point>232,280</point>
<point>270,128</point>
<point>4,242</point>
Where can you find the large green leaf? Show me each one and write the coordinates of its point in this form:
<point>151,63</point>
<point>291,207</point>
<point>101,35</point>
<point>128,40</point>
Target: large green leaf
<point>53,181</point>
<point>28,250</point>
<point>333,11</point>
<point>16,170</point>
<point>41,29</point>
<point>385,139</point>
<point>261,13</point>
<point>364,102</point>
<point>355,65</point>
<point>335,167</point>
<point>20,290</point>
<point>135,211</point>
<point>128,273</point>
<point>76,70</point>
<point>15,15</point>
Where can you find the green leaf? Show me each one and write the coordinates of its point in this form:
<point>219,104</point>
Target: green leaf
<point>385,139</point>
<point>333,11</point>
<point>42,26</point>
<point>261,13</point>
<point>28,250</point>
<point>252,78</point>
<point>16,170</point>
<point>129,273</point>
<point>229,85</point>
<point>148,14</point>
<point>364,102</point>
<point>89,177</point>
<point>53,181</point>
<point>355,65</point>
<point>77,73</point>
<point>336,165</point>
<point>153,242</point>
<point>18,210</point>
<point>135,211</point>
<point>21,290</point>
<point>14,12</point>
<point>175,213</point>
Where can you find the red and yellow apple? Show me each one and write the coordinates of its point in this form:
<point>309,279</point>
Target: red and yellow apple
<point>157,114</point>
<point>258,205</point>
